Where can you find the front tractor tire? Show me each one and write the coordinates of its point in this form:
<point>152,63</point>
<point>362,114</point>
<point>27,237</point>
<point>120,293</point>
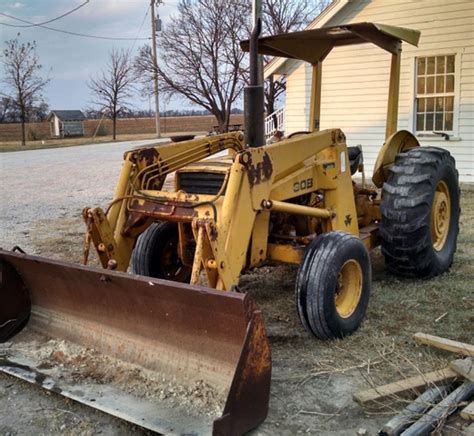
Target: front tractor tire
<point>156,254</point>
<point>333,285</point>
<point>420,213</point>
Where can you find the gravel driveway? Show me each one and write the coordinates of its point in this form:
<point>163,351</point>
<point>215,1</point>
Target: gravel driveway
<point>43,185</point>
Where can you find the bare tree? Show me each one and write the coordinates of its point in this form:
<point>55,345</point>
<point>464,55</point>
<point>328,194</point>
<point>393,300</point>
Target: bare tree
<point>10,112</point>
<point>144,70</point>
<point>22,75</point>
<point>201,57</point>
<point>282,16</point>
<point>114,86</point>
<point>7,106</point>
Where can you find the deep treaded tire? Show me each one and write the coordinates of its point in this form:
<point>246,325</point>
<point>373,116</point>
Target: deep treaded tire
<point>333,285</point>
<point>155,254</point>
<point>420,213</point>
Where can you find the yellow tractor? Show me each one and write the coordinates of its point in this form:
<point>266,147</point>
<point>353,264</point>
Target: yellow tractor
<point>205,210</point>
<point>293,201</point>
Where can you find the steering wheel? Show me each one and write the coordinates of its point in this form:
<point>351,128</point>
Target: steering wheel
<point>301,132</point>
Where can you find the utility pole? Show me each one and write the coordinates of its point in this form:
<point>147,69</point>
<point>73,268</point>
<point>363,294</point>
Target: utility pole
<point>155,65</point>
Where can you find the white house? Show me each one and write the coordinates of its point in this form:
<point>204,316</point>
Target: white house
<point>436,84</point>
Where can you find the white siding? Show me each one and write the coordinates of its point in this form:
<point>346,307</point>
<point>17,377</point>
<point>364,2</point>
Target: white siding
<point>56,126</point>
<point>297,97</point>
<point>355,78</point>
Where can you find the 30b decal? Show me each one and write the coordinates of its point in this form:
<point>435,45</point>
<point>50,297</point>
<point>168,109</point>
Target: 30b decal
<point>304,184</point>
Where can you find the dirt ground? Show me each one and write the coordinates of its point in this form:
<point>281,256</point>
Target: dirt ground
<point>312,381</point>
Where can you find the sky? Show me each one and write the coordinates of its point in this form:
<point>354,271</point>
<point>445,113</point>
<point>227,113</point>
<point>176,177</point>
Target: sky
<point>71,60</point>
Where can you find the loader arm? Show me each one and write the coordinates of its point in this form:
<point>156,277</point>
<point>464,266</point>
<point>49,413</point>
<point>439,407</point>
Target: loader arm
<point>227,224</point>
<point>143,170</point>
<point>259,179</point>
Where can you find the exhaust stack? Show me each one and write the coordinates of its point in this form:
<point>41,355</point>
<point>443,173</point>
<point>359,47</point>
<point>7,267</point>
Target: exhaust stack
<point>253,96</point>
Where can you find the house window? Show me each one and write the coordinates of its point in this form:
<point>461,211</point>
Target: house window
<point>434,93</point>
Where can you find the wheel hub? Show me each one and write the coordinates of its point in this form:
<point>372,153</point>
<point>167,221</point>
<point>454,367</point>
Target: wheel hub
<point>440,216</point>
<point>349,288</point>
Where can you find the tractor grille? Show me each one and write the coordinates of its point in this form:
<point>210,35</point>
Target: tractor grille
<point>201,182</point>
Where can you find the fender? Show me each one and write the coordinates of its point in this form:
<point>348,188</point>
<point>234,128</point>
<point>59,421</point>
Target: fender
<point>400,141</point>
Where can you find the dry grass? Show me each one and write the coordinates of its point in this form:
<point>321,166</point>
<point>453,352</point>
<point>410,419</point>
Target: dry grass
<point>312,380</point>
<point>442,306</point>
<point>398,308</point>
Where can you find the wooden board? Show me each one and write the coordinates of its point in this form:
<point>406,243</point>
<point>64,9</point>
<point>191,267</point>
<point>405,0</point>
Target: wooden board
<point>407,384</point>
<point>468,412</point>
<point>444,344</point>
<point>464,367</point>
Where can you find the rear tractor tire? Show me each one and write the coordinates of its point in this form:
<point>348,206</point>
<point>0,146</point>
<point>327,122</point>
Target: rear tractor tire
<point>156,254</point>
<point>420,213</point>
<point>333,285</point>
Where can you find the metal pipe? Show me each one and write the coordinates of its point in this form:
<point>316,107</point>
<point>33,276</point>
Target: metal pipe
<point>257,15</point>
<point>296,209</point>
<point>254,96</point>
<point>254,79</point>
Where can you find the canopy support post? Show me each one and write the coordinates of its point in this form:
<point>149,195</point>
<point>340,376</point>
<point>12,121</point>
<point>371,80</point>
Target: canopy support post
<point>393,93</point>
<point>315,104</point>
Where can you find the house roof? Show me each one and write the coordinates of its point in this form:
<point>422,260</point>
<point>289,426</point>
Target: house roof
<point>67,115</point>
<point>315,44</point>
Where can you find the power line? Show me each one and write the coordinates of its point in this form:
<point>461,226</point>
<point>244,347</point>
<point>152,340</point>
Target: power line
<point>48,21</point>
<point>140,29</point>
<point>68,32</point>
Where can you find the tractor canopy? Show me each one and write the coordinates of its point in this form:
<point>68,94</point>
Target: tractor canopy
<point>315,44</point>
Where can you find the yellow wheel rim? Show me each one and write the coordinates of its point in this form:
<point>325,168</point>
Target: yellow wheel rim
<point>440,216</point>
<point>349,288</point>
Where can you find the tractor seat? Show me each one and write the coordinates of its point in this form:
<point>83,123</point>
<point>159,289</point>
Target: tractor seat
<point>355,158</point>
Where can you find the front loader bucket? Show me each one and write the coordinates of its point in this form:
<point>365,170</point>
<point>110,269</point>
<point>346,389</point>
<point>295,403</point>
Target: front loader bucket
<point>170,357</point>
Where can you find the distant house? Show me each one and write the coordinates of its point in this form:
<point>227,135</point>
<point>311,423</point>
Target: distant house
<point>436,83</point>
<point>66,123</point>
